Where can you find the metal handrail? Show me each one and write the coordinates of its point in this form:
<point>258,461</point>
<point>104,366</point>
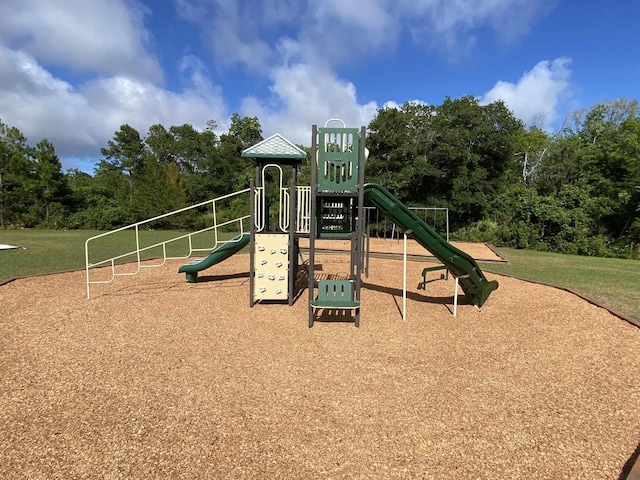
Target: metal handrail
<point>136,227</point>
<point>303,213</point>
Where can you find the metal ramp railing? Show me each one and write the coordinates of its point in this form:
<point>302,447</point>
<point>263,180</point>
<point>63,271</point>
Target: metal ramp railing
<point>303,213</point>
<point>138,252</point>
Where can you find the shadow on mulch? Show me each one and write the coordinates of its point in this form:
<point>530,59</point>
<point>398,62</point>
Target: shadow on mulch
<point>631,468</point>
<point>343,316</point>
<point>397,292</point>
<point>153,288</point>
<point>220,278</point>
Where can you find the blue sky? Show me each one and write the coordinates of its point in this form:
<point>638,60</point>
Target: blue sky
<point>73,71</point>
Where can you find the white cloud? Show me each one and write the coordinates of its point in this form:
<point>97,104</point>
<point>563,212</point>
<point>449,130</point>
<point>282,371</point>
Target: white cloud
<point>35,102</point>
<point>537,93</point>
<point>344,31</point>
<point>337,32</point>
<point>451,25</point>
<point>301,57</point>
<point>100,36</point>
<point>80,120</point>
<point>231,30</point>
<point>305,95</point>
<point>74,71</point>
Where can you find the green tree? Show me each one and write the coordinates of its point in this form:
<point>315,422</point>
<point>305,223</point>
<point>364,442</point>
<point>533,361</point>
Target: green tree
<point>532,147</point>
<point>230,169</point>
<point>82,197</point>
<point>398,140</point>
<point>162,144</point>
<point>189,148</point>
<point>473,146</point>
<point>15,176</point>
<point>606,143</point>
<point>102,200</point>
<point>193,151</point>
<point>124,155</point>
<point>623,170</point>
<point>159,189</point>
<point>459,154</point>
<point>246,130</point>
<point>52,192</point>
<point>559,223</point>
<point>563,164</point>
<point>125,152</point>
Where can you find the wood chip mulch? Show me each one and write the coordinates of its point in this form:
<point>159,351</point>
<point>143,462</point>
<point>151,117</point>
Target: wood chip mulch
<point>395,246</point>
<point>158,378</point>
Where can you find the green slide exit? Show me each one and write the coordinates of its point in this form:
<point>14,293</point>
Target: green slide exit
<point>472,280</point>
<point>222,252</point>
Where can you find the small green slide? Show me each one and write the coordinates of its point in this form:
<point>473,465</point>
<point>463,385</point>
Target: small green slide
<point>472,280</point>
<point>222,252</point>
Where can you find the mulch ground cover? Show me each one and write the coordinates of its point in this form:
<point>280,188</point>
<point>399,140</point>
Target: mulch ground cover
<point>158,378</point>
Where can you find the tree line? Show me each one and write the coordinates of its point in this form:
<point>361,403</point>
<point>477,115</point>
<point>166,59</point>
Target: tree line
<point>573,191</point>
<point>576,190</point>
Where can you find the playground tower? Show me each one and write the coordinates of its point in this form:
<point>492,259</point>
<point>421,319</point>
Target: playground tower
<point>273,244</point>
<point>331,208</point>
<point>338,157</point>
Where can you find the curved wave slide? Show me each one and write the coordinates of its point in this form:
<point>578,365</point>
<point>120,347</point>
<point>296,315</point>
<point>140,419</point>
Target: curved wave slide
<point>222,252</point>
<point>464,267</point>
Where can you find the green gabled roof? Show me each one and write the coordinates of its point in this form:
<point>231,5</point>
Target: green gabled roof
<point>276,146</point>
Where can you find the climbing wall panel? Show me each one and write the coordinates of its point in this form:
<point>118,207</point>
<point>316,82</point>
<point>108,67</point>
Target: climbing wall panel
<point>271,266</point>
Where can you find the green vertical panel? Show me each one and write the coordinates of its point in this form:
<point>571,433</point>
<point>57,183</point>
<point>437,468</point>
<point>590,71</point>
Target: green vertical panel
<point>338,162</point>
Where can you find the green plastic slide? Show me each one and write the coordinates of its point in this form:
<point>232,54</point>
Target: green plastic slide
<point>222,252</point>
<point>472,280</point>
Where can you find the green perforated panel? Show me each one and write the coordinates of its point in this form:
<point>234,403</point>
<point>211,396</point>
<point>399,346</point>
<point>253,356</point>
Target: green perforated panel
<point>338,163</point>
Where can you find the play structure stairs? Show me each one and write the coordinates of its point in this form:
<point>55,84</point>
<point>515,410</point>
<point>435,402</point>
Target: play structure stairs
<point>461,265</point>
<point>335,294</point>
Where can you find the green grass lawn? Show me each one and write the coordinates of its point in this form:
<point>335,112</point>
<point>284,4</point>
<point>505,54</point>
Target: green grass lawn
<point>47,251</point>
<point>613,282</point>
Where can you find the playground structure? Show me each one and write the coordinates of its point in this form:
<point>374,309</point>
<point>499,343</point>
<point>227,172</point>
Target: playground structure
<point>338,157</point>
<point>135,370</point>
<point>332,207</point>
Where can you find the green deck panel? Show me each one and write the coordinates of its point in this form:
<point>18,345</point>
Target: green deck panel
<point>334,235</point>
<point>337,294</point>
<point>222,252</point>
<point>460,264</point>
